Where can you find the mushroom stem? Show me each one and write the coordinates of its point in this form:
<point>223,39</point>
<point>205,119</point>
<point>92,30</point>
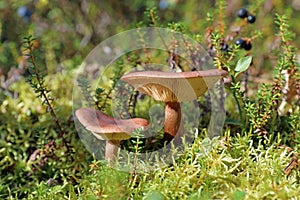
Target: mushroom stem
<point>172,120</point>
<point>111,149</point>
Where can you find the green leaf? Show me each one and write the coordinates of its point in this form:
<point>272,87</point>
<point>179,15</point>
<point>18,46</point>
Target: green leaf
<point>239,195</point>
<point>154,195</point>
<point>232,122</point>
<point>242,65</point>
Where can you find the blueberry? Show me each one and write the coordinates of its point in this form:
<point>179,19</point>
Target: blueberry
<point>242,13</point>
<point>247,45</point>
<point>240,42</point>
<point>251,19</point>
<point>24,12</point>
<point>224,47</point>
<point>163,4</point>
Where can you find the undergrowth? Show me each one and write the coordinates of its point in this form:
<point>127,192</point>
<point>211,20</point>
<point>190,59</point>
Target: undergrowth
<point>256,157</point>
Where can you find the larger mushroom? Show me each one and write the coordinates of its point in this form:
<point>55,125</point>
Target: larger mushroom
<point>173,88</point>
<point>107,128</point>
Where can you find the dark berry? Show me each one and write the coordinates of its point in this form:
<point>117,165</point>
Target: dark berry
<point>224,47</point>
<point>251,19</point>
<point>240,42</point>
<point>247,45</point>
<point>163,4</point>
<point>242,13</point>
<point>25,13</point>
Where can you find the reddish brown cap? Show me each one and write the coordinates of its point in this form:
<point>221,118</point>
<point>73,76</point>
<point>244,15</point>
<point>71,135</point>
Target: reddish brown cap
<point>174,86</point>
<point>108,128</point>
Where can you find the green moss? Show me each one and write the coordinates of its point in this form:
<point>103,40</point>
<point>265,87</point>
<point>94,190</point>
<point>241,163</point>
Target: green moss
<point>256,157</point>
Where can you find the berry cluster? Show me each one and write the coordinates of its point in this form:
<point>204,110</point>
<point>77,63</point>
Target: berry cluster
<point>245,44</point>
<point>243,13</point>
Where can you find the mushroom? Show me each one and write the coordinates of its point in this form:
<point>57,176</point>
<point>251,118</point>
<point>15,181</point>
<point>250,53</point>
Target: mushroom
<point>173,88</point>
<point>107,128</point>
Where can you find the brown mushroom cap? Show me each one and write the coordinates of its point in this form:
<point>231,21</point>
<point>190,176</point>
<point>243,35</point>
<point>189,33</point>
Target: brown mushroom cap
<point>174,86</point>
<point>108,128</point>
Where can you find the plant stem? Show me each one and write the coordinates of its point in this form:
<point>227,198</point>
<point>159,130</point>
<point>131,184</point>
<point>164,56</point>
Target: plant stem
<point>135,160</point>
<point>43,92</point>
<point>237,101</point>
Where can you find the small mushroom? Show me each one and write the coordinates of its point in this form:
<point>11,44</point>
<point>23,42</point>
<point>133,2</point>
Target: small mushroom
<point>173,88</point>
<point>110,129</point>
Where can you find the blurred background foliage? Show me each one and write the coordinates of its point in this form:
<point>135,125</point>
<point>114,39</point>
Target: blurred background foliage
<point>68,30</point>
